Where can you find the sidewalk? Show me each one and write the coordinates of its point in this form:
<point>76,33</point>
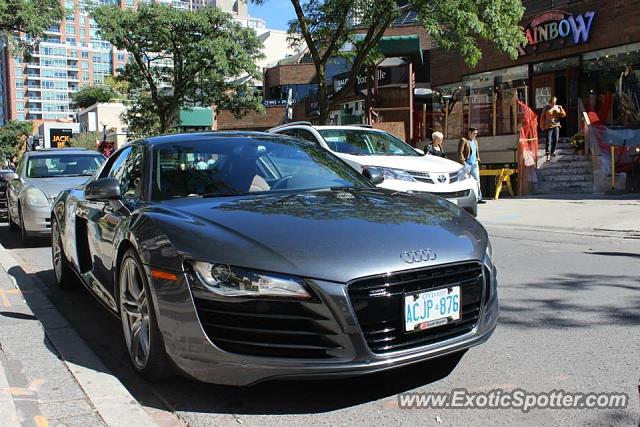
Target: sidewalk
<point>574,214</point>
<point>48,376</point>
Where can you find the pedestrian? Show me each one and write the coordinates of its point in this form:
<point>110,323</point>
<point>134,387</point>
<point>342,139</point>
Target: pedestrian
<point>469,156</point>
<point>550,124</point>
<point>435,148</point>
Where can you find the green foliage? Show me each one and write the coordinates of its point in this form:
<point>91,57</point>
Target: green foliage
<point>460,24</point>
<point>325,27</point>
<point>12,137</point>
<point>28,16</point>
<point>89,95</point>
<point>86,140</point>
<point>178,56</point>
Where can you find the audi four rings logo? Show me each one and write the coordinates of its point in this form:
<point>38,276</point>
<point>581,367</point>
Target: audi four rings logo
<point>420,255</point>
<point>442,179</point>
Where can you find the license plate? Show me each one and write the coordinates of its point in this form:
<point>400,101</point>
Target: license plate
<point>432,308</point>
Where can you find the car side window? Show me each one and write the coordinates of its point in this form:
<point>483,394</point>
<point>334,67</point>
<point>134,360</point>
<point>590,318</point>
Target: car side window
<point>300,134</point>
<point>127,169</point>
<point>306,135</point>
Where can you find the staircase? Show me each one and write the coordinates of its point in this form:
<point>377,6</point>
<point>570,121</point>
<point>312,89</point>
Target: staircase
<point>566,173</point>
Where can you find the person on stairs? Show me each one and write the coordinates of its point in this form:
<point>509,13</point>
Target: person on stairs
<point>550,124</point>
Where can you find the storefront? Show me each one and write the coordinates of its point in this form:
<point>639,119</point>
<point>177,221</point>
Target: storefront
<point>587,57</point>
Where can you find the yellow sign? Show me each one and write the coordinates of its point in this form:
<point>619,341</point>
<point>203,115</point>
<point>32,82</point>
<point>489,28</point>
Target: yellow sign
<point>60,140</point>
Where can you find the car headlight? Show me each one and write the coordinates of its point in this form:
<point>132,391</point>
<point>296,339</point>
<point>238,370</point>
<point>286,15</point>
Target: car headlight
<point>398,174</point>
<point>489,250</point>
<point>463,174</point>
<point>36,198</point>
<point>228,281</point>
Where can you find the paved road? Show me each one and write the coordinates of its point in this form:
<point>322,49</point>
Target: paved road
<point>570,320</point>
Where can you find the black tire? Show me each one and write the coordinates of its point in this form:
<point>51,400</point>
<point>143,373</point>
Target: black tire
<point>24,234</point>
<point>156,366</point>
<point>12,225</point>
<point>65,279</point>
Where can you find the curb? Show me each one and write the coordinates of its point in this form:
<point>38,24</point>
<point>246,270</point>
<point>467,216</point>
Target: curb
<point>112,401</point>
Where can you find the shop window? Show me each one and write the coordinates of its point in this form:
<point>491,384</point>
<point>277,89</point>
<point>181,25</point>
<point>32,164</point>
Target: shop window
<point>610,85</point>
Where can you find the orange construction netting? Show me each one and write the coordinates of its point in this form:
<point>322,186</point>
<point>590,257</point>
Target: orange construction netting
<point>527,149</point>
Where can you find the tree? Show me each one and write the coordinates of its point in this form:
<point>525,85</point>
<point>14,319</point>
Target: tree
<point>28,16</point>
<point>89,95</point>
<point>13,136</point>
<point>86,140</point>
<point>180,57</point>
<point>326,26</point>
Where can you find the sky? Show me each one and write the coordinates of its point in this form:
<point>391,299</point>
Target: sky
<point>277,13</point>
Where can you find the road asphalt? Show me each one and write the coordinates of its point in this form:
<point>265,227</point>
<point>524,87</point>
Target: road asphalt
<point>570,298</point>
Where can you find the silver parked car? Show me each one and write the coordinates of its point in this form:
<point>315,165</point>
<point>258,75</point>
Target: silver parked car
<point>39,178</point>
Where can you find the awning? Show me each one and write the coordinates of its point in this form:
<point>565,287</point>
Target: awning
<point>392,46</point>
<point>196,117</point>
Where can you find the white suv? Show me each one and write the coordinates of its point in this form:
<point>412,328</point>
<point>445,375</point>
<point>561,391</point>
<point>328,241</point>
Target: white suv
<point>404,168</point>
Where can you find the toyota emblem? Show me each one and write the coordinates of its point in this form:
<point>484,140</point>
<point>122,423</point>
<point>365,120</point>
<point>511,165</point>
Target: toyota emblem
<point>420,255</point>
<point>442,179</point>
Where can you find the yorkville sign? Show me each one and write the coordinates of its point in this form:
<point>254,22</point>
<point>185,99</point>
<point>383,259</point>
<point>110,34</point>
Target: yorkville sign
<point>556,29</point>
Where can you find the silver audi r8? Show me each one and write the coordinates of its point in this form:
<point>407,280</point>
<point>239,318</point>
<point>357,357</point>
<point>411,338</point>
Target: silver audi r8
<point>241,257</point>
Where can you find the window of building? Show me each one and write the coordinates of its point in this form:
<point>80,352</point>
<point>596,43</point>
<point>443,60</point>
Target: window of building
<point>610,85</point>
<point>85,54</point>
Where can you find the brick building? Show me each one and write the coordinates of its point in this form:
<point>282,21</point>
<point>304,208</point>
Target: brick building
<point>576,51</point>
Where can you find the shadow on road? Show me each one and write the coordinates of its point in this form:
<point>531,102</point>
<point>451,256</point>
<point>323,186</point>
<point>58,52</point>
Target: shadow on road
<point>620,254</point>
<point>303,397</point>
<point>547,311</point>
<point>11,239</point>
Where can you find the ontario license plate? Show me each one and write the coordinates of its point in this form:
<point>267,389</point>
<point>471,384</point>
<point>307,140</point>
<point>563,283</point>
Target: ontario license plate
<point>432,308</point>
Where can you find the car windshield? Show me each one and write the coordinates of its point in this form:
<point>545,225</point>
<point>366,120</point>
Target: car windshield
<point>61,165</point>
<point>362,142</point>
<point>243,165</point>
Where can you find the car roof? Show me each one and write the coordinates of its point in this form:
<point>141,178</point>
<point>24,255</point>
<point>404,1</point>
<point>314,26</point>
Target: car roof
<point>49,151</point>
<point>323,127</point>
<point>199,136</point>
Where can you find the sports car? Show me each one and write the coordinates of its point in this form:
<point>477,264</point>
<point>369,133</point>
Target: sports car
<point>240,257</point>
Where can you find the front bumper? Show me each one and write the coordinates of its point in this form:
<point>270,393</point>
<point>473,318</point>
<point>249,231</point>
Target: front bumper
<point>462,193</point>
<point>37,221</point>
<point>194,352</point>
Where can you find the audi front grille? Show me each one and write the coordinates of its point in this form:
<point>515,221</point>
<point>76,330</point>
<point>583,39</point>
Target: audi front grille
<point>378,302</point>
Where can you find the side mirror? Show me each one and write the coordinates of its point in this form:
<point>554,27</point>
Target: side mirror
<point>374,175</point>
<point>419,151</point>
<point>11,176</point>
<point>103,189</point>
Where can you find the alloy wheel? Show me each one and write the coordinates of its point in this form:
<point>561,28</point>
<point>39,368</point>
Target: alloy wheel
<point>134,310</point>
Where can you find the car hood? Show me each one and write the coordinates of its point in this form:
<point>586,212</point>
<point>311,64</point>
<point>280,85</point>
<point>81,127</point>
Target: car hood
<point>330,235</point>
<point>409,163</point>
<point>53,186</point>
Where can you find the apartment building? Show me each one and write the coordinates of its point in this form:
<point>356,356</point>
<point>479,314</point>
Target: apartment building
<point>71,55</point>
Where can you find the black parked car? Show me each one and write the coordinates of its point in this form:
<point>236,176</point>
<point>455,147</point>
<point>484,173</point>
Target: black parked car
<point>240,257</point>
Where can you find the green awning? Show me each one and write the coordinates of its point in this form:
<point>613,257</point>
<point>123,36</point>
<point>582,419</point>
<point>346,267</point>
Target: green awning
<point>395,46</point>
<point>196,117</point>
<point>392,46</point>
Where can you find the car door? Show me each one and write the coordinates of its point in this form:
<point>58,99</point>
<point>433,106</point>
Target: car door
<point>104,217</point>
